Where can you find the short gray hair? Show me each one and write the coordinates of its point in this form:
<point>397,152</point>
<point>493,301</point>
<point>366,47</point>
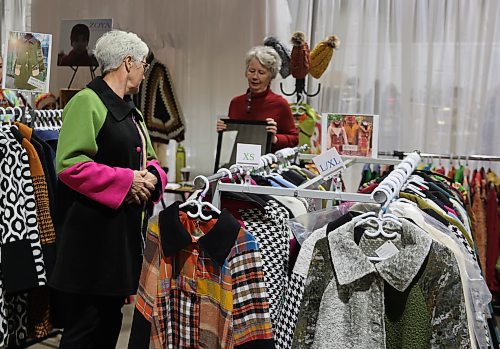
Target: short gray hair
<point>267,56</point>
<point>114,46</point>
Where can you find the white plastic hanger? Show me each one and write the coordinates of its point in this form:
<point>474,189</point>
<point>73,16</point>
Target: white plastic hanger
<point>200,204</point>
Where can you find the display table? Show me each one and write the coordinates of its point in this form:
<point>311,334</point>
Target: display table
<point>184,190</point>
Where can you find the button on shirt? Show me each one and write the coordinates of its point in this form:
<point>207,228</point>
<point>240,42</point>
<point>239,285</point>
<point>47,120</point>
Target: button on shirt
<point>412,300</point>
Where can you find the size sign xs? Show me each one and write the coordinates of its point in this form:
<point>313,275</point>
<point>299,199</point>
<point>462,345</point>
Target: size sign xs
<point>248,154</point>
<point>328,162</point>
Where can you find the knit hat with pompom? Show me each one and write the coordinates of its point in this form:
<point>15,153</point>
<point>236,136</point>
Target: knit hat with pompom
<point>300,60</point>
<point>322,54</point>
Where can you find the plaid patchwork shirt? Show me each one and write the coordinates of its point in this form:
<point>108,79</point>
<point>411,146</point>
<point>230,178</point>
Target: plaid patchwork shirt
<point>202,285</point>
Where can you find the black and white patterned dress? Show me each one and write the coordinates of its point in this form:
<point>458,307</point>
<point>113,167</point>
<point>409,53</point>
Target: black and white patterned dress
<point>21,265</point>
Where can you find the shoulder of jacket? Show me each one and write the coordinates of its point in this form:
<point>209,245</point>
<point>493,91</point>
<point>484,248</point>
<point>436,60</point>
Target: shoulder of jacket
<point>88,98</point>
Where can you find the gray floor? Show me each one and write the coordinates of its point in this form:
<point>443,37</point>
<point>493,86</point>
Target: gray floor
<point>122,340</point>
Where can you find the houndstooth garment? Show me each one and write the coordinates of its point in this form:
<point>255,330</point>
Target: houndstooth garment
<point>289,312</point>
<point>271,231</point>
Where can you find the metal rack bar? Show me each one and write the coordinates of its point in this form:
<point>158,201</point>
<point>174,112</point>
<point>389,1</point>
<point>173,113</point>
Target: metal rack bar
<point>477,157</point>
<point>357,159</point>
<point>215,177</point>
<point>292,192</point>
<point>402,154</point>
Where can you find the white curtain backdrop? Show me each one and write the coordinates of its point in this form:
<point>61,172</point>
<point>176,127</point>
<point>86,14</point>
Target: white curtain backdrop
<point>14,15</point>
<point>430,69</point>
<point>203,43</point>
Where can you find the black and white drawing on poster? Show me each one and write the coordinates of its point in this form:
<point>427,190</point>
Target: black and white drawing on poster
<point>77,41</point>
<point>350,134</point>
<point>27,63</point>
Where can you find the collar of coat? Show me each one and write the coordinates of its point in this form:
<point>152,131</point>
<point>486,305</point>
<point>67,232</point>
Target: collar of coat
<point>118,107</point>
<point>217,243</point>
<point>351,263</point>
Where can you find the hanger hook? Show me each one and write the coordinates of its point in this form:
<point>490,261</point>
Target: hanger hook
<point>226,171</point>
<point>205,188</point>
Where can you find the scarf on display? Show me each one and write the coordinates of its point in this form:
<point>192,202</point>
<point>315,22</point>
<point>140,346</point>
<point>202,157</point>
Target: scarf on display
<point>158,102</point>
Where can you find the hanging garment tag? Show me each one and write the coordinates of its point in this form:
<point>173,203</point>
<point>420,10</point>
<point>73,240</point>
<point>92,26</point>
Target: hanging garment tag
<point>248,154</point>
<point>387,250</point>
<point>328,162</point>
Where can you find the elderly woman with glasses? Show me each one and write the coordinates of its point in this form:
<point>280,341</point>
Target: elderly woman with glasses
<point>260,103</point>
<point>108,175</point>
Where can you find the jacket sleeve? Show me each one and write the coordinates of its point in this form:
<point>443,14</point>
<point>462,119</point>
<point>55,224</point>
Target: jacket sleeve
<point>440,284</point>
<point>251,319</point>
<point>287,135</point>
<point>318,278</point>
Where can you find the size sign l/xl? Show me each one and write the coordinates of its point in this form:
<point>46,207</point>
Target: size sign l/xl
<point>328,162</point>
<point>248,154</point>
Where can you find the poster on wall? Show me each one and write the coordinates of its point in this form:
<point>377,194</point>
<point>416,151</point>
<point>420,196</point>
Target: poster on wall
<point>77,41</point>
<point>350,134</point>
<point>27,64</point>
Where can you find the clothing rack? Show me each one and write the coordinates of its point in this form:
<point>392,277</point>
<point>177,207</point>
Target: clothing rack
<point>25,115</point>
<point>401,154</point>
<point>390,187</point>
<point>292,192</point>
<point>281,155</point>
<point>356,159</point>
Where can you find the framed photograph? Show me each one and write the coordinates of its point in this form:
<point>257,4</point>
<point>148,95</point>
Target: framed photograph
<point>350,134</point>
<point>27,64</point>
<point>240,131</point>
<point>77,41</point>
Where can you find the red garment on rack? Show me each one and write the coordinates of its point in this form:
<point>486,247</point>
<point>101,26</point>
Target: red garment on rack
<point>493,239</point>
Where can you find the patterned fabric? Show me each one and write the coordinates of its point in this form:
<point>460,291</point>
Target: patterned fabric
<point>46,226</point>
<point>462,240</point>
<point>160,106</point>
<point>480,230</point>
<point>271,231</point>
<point>17,317</point>
<point>288,315</point>
<point>18,227</point>
<point>197,294</point>
<point>413,300</point>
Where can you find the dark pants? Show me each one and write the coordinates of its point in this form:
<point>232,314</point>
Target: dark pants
<point>91,322</point>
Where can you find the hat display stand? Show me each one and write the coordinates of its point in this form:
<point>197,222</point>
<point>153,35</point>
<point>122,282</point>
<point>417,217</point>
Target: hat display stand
<point>300,63</point>
<point>300,90</point>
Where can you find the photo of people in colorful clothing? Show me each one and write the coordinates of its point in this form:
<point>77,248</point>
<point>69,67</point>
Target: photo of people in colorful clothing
<point>351,134</point>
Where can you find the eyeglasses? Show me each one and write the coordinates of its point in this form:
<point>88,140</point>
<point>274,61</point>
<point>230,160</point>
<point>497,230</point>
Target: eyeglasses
<point>145,65</point>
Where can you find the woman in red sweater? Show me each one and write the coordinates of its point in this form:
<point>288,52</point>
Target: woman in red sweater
<point>260,103</point>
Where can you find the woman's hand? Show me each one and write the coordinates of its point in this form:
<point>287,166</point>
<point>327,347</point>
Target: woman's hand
<point>221,125</point>
<point>141,188</point>
<point>272,127</point>
<point>151,178</point>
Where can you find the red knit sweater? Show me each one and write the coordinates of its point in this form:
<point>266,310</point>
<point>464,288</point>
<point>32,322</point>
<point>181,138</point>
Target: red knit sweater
<point>267,105</point>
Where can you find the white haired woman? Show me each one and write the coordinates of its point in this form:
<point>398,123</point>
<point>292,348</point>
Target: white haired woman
<point>260,103</point>
<point>107,173</point>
